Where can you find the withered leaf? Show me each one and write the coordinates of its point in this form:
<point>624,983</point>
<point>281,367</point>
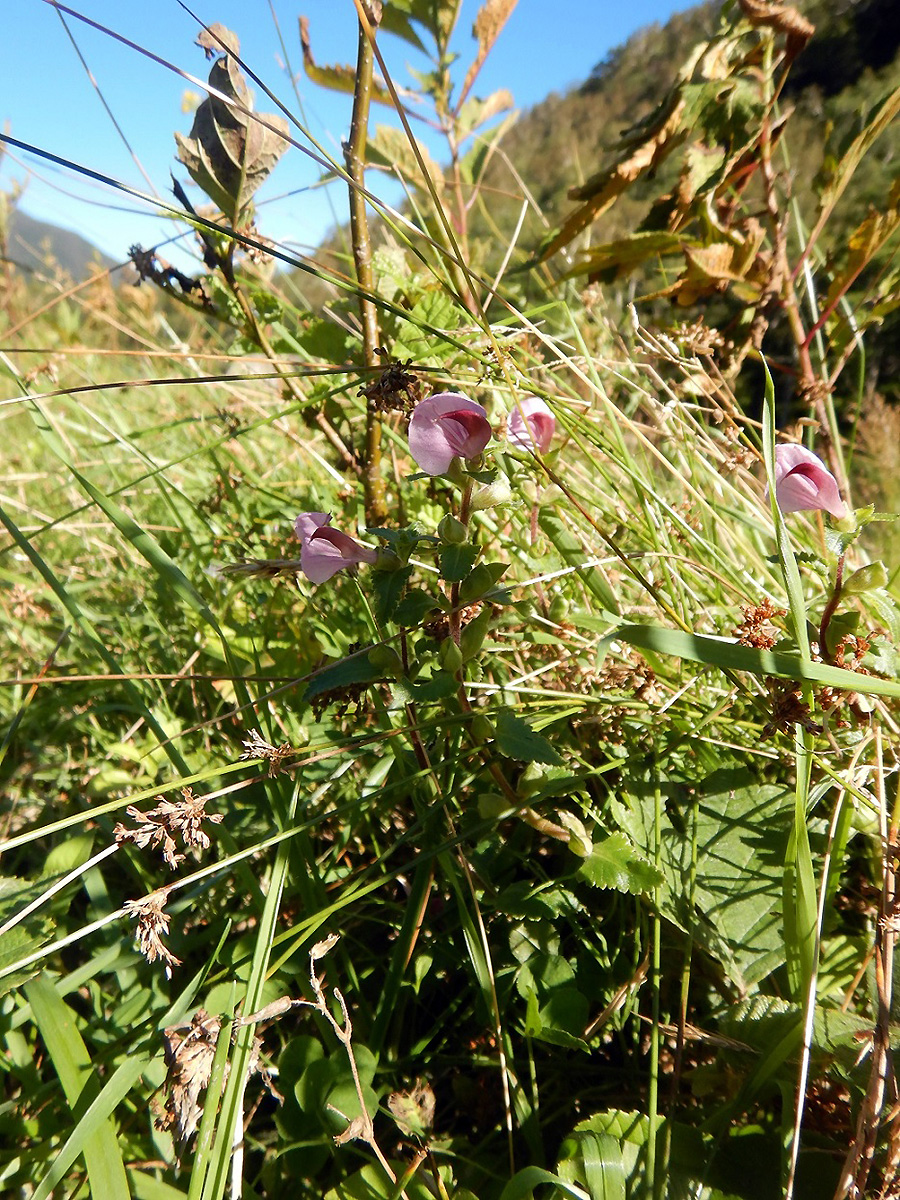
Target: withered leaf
<point>600,192</point>
<point>783,18</point>
<point>489,22</point>
<point>230,150</point>
<point>615,259</point>
<point>216,39</point>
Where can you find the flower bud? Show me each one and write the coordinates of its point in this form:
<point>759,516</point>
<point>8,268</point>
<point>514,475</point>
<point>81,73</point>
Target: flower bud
<point>482,728</point>
<point>491,494</point>
<point>450,655</point>
<point>452,531</point>
<point>559,609</point>
<point>472,637</point>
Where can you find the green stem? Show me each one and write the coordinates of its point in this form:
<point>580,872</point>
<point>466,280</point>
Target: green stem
<point>355,157</point>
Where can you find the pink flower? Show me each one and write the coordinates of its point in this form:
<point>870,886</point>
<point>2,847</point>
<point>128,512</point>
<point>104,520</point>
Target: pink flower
<point>324,550</point>
<point>531,425</point>
<point>803,483</point>
<point>447,426</point>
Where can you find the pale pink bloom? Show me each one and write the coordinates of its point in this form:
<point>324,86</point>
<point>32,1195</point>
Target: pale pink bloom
<point>447,426</point>
<point>324,550</point>
<point>531,425</point>
<point>803,483</point>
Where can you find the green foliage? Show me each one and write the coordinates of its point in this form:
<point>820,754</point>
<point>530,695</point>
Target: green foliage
<point>549,828</point>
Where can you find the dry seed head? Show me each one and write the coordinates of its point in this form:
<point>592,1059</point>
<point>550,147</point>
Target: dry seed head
<point>161,825</point>
<point>153,925</point>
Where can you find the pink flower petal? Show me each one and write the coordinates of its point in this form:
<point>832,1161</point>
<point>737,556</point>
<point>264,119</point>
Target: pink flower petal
<point>804,484</point>
<point>446,426</point>
<point>325,550</point>
<point>531,425</point>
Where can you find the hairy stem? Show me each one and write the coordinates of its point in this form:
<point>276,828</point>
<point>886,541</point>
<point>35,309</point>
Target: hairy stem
<point>830,608</point>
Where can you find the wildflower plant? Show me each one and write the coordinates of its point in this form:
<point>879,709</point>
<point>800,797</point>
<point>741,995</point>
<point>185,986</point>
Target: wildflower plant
<point>562,743</point>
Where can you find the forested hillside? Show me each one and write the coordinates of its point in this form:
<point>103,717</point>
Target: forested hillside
<point>848,67</point>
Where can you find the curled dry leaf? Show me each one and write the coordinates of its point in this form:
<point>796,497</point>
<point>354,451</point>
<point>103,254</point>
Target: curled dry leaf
<point>231,150</point>
<point>784,18</point>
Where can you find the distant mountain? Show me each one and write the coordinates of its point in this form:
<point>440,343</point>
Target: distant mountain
<point>850,63</point>
<point>31,241</point>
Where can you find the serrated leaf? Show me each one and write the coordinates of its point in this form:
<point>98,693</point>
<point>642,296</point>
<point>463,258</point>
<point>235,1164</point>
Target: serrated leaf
<point>388,588</point>
<point>457,561</point>
<point>413,607</point>
<point>743,829</point>
<point>516,739</point>
<point>390,148</point>
<point>614,863</point>
<point>475,113</point>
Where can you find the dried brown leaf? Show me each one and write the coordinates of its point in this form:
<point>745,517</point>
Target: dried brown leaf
<point>600,192</point>
<point>489,22</point>
<point>783,18</point>
<point>230,150</point>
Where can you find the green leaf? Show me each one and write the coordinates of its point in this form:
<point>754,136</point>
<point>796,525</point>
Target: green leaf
<point>480,581</point>
<point>609,1150</point>
<point>867,579</point>
<point>727,654</point>
<point>563,1018</point>
<point>413,607</point>
<point>457,561</point>
<point>614,863</point>
<point>516,739</point>
<point>93,1122</point>
<point>741,830</point>
<point>573,554</point>
<point>524,1182</point>
<point>346,672</point>
<point>81,1088</point>
<point>388,588</point>
<point>441,685</point>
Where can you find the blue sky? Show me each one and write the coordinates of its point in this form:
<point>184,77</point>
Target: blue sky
<point>47,97</point>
